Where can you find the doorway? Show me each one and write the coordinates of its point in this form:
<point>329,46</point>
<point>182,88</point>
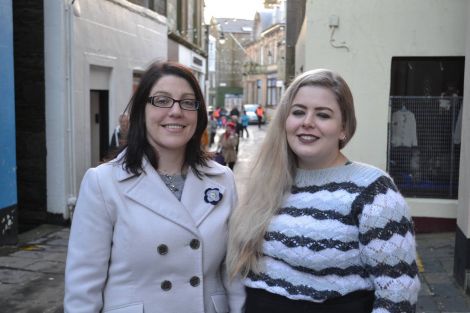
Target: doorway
<point>99,125</point>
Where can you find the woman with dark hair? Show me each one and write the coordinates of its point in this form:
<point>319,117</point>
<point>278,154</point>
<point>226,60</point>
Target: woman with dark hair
<point>318,232</point>
<point>149,229</point>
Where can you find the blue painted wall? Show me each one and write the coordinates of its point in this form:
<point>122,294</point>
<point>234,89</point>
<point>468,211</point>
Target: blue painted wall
<point>8,190</point>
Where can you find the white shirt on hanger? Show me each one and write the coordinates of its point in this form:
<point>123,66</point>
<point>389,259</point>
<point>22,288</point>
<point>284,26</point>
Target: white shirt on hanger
<point>404,129</point>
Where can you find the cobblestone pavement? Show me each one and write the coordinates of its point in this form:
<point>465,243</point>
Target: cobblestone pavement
<point>32,273</point>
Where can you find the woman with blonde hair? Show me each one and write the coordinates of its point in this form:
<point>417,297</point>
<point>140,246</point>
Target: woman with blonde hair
<point>317,232</point>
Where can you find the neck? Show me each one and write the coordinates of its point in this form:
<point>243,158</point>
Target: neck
<point>338,160</point>
<point>171,163</point>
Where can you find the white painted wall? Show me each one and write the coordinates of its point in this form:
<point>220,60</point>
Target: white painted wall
<point>113,35</point>
<point>463,217</point>
<point>57,126</point>
<point>375,31</point>
<point>186,57</point>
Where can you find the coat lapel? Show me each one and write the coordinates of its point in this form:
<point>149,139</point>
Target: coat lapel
<point>195,191</point>
<point>143,190</point>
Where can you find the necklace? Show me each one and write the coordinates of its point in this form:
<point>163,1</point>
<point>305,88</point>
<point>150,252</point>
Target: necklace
<point>175,183</point>
<point>170,180</point>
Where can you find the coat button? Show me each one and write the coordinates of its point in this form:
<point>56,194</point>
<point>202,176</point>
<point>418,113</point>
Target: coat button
<point>195,244</point>
<point>194,281</point>
<point>166,285</point>
<point>162,249</point>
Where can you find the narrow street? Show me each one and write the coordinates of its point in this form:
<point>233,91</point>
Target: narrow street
<point>246,154</point>
<point>32,273</point>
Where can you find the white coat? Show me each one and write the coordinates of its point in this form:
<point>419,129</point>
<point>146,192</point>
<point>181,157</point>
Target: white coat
<point>135,248</point>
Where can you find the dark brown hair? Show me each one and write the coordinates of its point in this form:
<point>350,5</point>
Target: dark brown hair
<point>137,143</point>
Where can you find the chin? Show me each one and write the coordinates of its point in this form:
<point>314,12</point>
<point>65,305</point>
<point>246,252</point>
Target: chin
<point>172,145</point>
<point>308,155</point>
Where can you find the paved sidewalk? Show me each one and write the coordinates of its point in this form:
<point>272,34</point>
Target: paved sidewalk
<point>32,273</point>
<point>32,278</point>
<point>439,290</point>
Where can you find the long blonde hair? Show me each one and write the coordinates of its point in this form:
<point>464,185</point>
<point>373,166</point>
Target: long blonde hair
<point>273,172</point>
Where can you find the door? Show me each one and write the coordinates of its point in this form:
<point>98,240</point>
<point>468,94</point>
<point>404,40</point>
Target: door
<point>99,122</point>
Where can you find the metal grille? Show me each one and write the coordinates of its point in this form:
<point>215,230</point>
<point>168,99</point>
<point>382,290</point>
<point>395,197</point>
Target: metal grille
<point>424,145</point>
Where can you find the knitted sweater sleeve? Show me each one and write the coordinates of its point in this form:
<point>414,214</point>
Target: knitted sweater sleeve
<point>387,246</point>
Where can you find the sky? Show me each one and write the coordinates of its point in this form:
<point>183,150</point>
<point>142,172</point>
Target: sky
<point>243,9</point>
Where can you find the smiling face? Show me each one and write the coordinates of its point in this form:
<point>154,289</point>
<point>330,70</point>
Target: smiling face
<point>170,129</point>
<point>314,127</point>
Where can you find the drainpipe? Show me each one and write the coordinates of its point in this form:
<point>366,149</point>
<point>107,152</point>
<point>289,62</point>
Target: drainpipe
<point>72,8</point>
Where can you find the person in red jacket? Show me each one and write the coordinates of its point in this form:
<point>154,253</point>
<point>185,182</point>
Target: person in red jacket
<point>259,114</point>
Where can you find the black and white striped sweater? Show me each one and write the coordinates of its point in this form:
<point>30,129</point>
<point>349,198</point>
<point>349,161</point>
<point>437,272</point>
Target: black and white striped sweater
<point>341,230</point>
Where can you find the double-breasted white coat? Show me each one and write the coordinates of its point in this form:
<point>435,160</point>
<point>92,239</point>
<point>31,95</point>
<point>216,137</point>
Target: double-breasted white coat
<point>135,248</point>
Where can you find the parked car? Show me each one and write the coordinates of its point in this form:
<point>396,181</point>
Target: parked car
<point>251,112</point>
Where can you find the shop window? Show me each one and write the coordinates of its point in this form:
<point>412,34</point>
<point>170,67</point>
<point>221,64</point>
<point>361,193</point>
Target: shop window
<point>425,126</point>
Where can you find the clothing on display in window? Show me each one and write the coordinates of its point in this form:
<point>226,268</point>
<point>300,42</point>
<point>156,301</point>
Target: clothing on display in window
<point>404,129</point>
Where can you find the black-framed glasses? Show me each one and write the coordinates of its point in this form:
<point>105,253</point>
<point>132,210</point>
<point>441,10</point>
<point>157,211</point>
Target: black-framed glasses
<point>167,102</point>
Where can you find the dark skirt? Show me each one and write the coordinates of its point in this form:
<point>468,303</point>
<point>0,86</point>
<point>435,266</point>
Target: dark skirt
<point>261,301</point>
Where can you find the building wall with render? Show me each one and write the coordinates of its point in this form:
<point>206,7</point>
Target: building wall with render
<point>90,45</point>
<point>371,33</point>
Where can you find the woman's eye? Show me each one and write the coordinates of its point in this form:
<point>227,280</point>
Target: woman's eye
<point>162,100</point>
<point>298,112</point>
<point>323,115</point>
<point>188,103</point>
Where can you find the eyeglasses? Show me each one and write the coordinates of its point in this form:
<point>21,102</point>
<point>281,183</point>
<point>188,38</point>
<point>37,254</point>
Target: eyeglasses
<point>167,102</point>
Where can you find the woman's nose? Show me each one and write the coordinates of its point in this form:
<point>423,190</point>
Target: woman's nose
<point>309,120</point>
<point>176,109</point>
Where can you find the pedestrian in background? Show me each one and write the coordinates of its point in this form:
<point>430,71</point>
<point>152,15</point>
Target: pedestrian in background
<point>213,130</point>
<point>238,129</point>
<point>223,121</point>
<point>245,121</point>
<point>228,143</point>
<point>318,232</point>
<point>119,137</point>
<point>218,116</point>
<point>234,112</point>
<point>260,115</point>
<point>148,233</point>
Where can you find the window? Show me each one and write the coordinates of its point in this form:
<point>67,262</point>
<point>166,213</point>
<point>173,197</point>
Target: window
<point>158,6</point>
<point>271,90</point>
<point>259,96</point>
<point>172,9</point>
<point>182,16</point>
<point>425,126</point>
